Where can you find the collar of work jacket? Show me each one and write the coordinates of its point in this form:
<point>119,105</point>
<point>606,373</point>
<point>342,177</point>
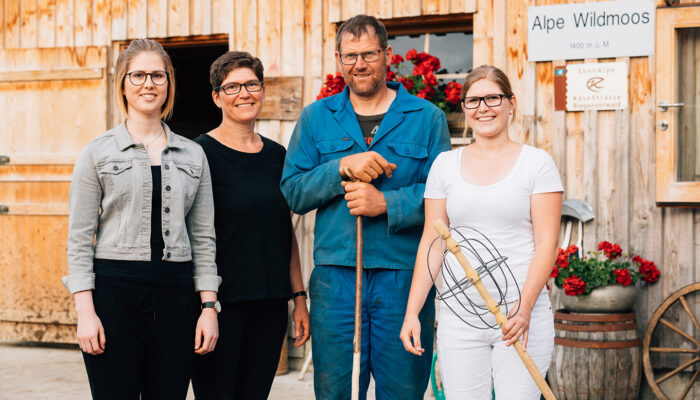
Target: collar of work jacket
<point>345,114</point>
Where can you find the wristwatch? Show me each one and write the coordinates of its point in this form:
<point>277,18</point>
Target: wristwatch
<point>300,293</point>
<point>212,304</point>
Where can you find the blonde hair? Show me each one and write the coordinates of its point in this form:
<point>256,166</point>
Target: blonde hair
<point>493,74</point>
<point>135,48</point>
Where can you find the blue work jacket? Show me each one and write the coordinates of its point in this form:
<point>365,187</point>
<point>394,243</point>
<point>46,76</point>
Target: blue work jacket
<point>412,133</point>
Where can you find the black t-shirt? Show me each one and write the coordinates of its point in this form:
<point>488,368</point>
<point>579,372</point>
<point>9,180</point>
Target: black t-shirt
<point>369,124</point>
<point>252,221</point>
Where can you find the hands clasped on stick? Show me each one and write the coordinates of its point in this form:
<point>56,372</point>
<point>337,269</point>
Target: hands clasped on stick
<point>359,170</point>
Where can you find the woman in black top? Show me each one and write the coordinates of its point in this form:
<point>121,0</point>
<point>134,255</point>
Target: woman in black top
<point>257,253</point>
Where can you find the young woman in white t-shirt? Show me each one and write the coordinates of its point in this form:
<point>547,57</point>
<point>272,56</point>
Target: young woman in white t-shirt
<point>512,193</point>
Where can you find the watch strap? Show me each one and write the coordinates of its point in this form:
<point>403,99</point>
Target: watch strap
<point>210,304</point>
<point>300,293</point>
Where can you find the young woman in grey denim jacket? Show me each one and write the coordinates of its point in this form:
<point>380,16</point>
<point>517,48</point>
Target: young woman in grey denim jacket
<point>141,242</point>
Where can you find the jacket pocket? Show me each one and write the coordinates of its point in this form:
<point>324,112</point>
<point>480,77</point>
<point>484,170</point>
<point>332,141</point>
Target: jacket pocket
<point>189,175</point>
<point>115,176</point>
<point>334,149</point>
<point>410,159</point>
<point>410,150</point>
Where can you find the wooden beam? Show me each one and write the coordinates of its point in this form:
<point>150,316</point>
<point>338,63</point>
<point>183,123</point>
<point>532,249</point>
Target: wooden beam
<point>282,98</point>
<point>52,75</point>
<point>429,23</point>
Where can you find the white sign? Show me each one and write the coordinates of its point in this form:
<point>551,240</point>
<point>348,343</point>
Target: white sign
<point>596,86</point>
<point>623,28</point>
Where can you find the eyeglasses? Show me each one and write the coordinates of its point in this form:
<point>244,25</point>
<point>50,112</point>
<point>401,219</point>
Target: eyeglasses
<point>368,56</point>
<point>138,78</point>
<point>491,100</point>
<point>235,88</point>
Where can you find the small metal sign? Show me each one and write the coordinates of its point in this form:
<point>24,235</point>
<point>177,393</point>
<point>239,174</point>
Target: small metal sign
<point>591,86</point>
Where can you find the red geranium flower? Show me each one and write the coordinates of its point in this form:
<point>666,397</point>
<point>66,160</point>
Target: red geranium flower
<point>623,277</point>
<point>573,286</point>
<point>396,59</point>
<point>406,82</point>
<point>611,250</point>
<point>390,75</point>
<point>573,249</point>
<point>555,272</point>
<point>453,92</point>
<point>411,54</point>
<point>430,79</point>
<point>648,269</point>
<point>332,85</point>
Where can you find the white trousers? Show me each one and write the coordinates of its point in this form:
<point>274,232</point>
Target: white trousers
<point>472,361</point>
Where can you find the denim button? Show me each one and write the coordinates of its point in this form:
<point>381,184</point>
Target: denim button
<point>167,255</point>
<point>167,188</point>
<point>166,151</point>
<point>167,210</point>
<point>115,168</point>
<point>167,233</point>
<point>166,166</point>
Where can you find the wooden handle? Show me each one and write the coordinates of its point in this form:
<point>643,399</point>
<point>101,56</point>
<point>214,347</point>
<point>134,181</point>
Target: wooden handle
<point>492,306</point>
<point>357,340</point>
<point>357,337</point>
<point>358,287</point>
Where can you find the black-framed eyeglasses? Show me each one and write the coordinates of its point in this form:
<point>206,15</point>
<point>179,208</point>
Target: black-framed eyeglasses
<point>491,100</point>
<point>235,87</point>
<point>138,78</point>
<point>368,56</point>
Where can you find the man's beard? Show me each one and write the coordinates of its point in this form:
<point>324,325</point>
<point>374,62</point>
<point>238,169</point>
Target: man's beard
<point>375,84</point>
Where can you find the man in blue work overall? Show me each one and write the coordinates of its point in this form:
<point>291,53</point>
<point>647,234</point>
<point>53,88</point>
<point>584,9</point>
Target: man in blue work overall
<point>386,139</point>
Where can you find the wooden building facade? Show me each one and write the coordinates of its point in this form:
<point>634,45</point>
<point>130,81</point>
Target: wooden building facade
<point>57,57</point>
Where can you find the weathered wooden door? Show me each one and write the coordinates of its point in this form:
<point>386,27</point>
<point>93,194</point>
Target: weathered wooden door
<point>52,101</point>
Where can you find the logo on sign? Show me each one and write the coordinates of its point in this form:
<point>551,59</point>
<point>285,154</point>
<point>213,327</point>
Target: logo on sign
<point>595,84</point>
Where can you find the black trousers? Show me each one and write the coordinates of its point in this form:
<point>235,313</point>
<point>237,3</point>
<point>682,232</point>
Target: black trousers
<point>243,365</point>
<point>149,333</point>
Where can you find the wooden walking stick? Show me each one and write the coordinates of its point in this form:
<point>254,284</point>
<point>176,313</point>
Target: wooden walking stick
<point>492,306</point>
<point>356,348</point>
<point>358,314</point>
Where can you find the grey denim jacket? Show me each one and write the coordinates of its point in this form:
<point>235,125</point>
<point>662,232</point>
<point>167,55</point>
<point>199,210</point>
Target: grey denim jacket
<point>110,207</point>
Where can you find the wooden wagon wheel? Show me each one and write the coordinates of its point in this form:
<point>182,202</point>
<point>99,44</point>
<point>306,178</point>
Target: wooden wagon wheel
<point>663,325</point>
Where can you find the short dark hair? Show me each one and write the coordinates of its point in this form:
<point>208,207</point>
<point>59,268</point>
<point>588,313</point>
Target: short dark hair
<point>358,25</point>
<point>233,60</point>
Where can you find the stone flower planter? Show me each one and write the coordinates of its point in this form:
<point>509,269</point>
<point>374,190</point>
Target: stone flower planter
<point>605,299</point>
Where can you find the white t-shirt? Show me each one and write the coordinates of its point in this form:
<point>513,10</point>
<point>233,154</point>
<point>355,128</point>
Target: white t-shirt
<point>500,211</point>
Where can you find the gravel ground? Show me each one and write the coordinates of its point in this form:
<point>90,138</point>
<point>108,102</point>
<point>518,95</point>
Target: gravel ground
<point>43,373</point>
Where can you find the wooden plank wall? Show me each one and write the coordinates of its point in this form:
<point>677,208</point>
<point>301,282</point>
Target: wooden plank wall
<point>292,37</point>
<point>605,157</point>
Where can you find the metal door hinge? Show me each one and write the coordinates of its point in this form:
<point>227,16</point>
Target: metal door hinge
<point>4,209</point>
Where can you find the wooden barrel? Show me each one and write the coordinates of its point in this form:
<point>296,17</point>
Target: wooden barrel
<point>596,356</point>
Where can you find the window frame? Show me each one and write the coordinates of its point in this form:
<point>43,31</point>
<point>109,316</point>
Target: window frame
<point>669,190</point>
<point>430,25</point>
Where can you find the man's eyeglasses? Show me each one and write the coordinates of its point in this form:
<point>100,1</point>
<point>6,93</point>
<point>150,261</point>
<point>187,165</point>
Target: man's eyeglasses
<point>235,88</point>
<point>138,78</point>
<point>491,100</point>
<point>368,56</point>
